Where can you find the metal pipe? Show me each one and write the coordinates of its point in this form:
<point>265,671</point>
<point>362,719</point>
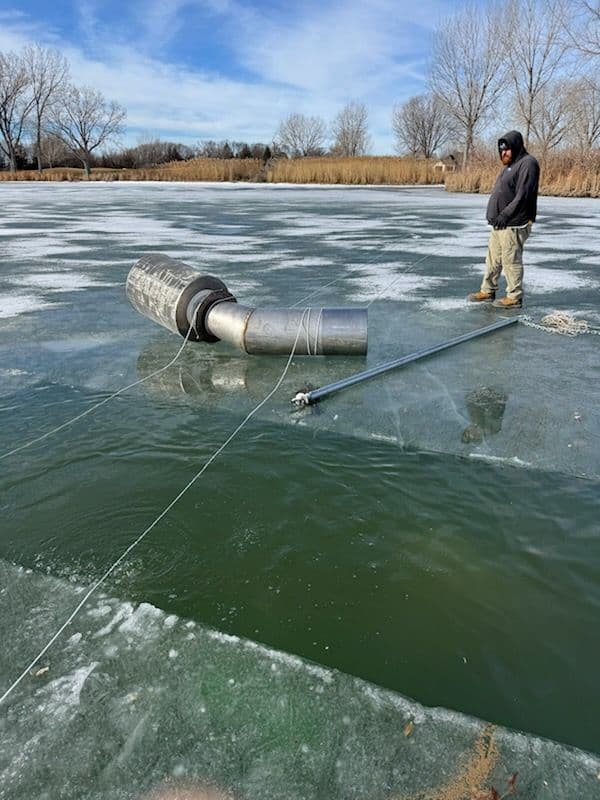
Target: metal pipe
<point>314,331</point>
<point>308,398</point>
<point>177,297</point>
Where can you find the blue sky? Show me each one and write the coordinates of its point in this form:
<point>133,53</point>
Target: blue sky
<point>189,70</point>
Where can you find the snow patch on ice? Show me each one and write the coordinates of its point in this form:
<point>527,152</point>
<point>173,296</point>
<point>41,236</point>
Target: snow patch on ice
<point>513,461</point>
<point>382,699</point>
<point>59,281</point>
<point>140,621</point>
<point>123,613</point>
<point>13,373</point>
<point>444,303</point>
<point>382,285</point>
<point>307,261</point>
<point>13,305</point>
<point>60,697</point>
<point>545,280</point>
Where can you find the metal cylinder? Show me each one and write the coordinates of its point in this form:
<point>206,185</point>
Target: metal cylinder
<point>164,289</point>
<point>177,297</point>
<point>314,331</point>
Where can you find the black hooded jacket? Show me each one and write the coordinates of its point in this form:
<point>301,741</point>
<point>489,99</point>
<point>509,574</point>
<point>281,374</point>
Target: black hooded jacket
<point>513,201</point>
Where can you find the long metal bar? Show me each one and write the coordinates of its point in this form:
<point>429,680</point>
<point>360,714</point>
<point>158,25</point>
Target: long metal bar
<point>308,398</point>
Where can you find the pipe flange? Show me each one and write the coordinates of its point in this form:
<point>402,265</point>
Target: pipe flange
<point>206,300</point>
<point>201,284</point>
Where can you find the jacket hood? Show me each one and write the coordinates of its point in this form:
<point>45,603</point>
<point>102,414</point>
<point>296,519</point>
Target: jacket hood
<point>514,140</point>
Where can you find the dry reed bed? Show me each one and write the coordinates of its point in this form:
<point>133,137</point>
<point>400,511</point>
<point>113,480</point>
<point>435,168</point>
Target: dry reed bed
<point>561,175</point>
<point>380,170</point>
<point>198,169</point>
<point>364,171</point>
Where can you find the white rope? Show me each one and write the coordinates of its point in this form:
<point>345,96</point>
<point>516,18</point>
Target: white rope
<point>307,330</point>
<point>317,332</point>
<point>561,323</point>
<point>97,405</point>
<point>402,274</point>
<point>374,260</point>
<point>317,291</point>
<point>162,514</point>
<point>371,261</point>
<point>313,349</point>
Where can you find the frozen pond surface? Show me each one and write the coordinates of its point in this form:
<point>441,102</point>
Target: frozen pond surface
<point>376,534</point>
<point>414,254</point>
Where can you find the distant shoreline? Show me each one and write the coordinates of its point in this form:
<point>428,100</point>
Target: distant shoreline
<point>561,176</point>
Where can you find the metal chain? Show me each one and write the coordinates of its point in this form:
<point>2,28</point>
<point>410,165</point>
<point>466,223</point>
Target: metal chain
<point>561,323</point>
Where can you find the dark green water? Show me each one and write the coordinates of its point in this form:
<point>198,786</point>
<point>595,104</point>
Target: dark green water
<point>461,584</point>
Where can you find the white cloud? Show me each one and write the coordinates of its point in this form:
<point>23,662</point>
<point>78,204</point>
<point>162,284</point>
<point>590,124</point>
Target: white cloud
<point>161,21</point>
<point>16,30</point>
<point>311,60</point>
<point>167,98</point>
<point>330,50</point>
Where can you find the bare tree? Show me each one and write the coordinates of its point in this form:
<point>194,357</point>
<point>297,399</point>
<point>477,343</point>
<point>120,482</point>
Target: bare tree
<point>584,113</point>
<point>210,149</point>
<point>421,126</point>
<point>550,121</point>
<point>84,121</point>
<point>48,73</point>
<point>150,152</point>
<point>299,135</point>
<point>53,150</point>
<point>407,124</point>
<point>350,131</point>
<point>15,105</point>
<point>468,68</point>
<point>583,26</point>
<point>532,38</point>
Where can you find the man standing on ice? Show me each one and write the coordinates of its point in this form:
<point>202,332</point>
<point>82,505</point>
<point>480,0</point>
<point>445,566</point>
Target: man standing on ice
<point>511,212</point>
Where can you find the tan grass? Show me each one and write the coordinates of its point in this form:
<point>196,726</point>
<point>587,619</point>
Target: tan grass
<point>198,169</point>
<point>561,176</point>
<point>565,175</point>
<point>365,170</point>
<point>205,169</point>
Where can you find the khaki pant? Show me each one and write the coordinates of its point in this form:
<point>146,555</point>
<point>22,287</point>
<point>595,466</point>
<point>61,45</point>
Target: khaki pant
<point>505,254</point>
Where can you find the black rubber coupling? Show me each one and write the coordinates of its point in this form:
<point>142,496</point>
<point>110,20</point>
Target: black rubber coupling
<point>201,312</point>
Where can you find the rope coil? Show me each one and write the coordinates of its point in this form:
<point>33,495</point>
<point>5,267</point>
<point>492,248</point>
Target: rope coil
<point>561,323</point>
